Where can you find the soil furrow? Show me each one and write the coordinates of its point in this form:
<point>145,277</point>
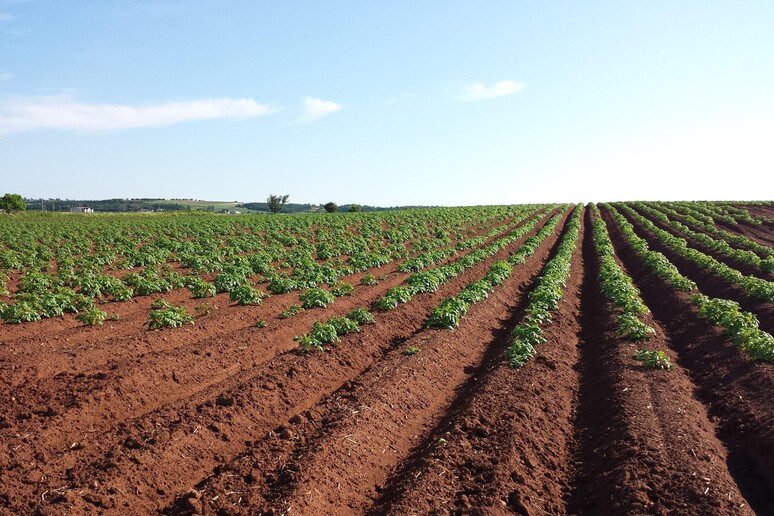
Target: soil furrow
<point>146,460</point>
<point>762,235</point>
<point>644,444</point>
<point>727,382</point>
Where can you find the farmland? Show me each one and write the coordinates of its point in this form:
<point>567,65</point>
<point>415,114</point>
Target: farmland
<point>530,358</point>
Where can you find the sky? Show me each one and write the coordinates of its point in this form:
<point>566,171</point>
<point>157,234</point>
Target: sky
<point>387,103</point>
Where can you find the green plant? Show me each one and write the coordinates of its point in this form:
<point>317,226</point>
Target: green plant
<point>321,334</point>
<point>247,295</point>
<point>394,297</point>
<point>630,327</point>
<point>368,280</point>
<point>199,287</point>
<point>281,285</point>
<point>203,309</point>
<point>230,281</point>
<point>291,311</point>
<point>160,303</point>
<point>448,313</point>
<point>361,316</point>
<point>19,312</point>
<point>342,288</point>
<point>654,359</point>
<point>316,298</point>
<point>411,350</point>
<point>168,317</point>
<point>260,323</point>
<point>344,325</point>
<point>92,316</point>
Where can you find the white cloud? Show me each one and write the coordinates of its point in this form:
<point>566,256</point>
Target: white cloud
<point>6,76</point>
<point>478,91</point>
<point>315,109</point>
<point>60,112</point>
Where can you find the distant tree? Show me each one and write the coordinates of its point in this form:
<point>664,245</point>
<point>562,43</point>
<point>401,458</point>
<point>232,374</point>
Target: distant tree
<point>331,207</point>
<point>276,202</point>
<point>12,202</point>
<point>355,208</point>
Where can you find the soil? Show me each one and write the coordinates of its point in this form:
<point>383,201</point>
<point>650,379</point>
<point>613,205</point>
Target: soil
<point>222,417</point>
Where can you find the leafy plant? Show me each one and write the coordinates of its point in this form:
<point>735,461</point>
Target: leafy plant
<point>448,313</point>
<point>200,288</point>
<point>342,288</point>
<point>316,298</point>
<point>361,316</point>
<point>247,295</point>
<point>369,280</point>
<point>654,359</point>
<point>291,311</point>
<point>321,334</point>
<point>344,325</point>
<point>92,316</point>
<point>411,350</point>
<point>19,312</point>
<point>168,317</point>
<point>203,309</point>
<point>260,323</point>
<point>281,285</point>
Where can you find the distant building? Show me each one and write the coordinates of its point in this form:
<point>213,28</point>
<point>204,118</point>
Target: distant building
<point>81,209</point>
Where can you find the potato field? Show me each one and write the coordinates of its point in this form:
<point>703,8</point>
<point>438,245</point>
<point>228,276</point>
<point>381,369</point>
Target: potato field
<point>562,359</point>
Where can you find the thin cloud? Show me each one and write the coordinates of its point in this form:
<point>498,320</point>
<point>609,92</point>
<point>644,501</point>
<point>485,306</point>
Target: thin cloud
<point>315,109</point>
<point>478,91</point>
<point>6,76</point>
<point>58,112</point>
<point>4,17</point>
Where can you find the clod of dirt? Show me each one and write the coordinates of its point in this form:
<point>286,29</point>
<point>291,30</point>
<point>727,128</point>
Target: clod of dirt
<point>286,434</point>
<point>224,401</point>
<point>295,420</point>
<point>47,412</point>
<point>515,503</point>
<point>190,503</point>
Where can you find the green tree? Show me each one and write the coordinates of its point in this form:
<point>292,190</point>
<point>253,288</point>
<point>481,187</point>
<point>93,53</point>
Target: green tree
<point>12,202</point>
<point>331,207</point>
<point>355,208</point>
<point>276,202</point>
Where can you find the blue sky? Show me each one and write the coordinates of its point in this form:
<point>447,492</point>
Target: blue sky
<point>387,103</point>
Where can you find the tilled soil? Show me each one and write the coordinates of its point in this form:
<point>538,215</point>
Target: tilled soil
<point>226,418</point>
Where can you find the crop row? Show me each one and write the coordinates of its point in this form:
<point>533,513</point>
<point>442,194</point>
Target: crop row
<point>756,288</point>
<point>695,219</point>
<point>452,309</point>
<point>741,326</point>
<point>430,280</point>
<point>617,286</point>
<point>718,245</point>
<point>545,297</point>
